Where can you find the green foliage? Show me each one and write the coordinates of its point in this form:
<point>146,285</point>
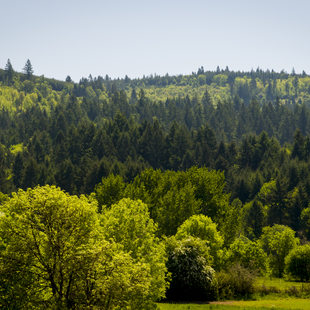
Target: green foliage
<point>54,256</point>
<point>305,217</point>
<point>80,132</point>
<point>9,72</point>
<point>174,207</point>
<point>298,262</point>
<point>109,191</point>
<point>232,224</point>
<point>128,223</point>
<point>44,232</point>
<point>248,254</point>
<point>77,135</point>
<point>236,282</point>
<point>106,131</point>
<point>3,198</point>
<point>202,227</point>
<point>277,241</point>
<point>192,278</point>
<point>209,188</point>
<point>28,70</point>
<point>255,219</point>
<point>175,196</point>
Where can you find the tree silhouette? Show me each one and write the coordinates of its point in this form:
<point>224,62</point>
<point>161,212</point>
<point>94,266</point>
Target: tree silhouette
<point>28,69</point>
<point>9,72</point>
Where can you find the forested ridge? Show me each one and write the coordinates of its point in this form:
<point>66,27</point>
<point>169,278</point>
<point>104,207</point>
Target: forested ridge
<point>222,149</point>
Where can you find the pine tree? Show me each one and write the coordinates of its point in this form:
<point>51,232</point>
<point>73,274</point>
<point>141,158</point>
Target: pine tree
<point>9,72</point>
<point>28,69</point>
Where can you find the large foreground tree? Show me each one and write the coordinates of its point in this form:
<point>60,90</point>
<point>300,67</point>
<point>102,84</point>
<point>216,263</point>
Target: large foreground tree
<point>53,255</point>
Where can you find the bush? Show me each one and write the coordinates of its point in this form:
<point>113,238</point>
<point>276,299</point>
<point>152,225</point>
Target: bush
<point>236,282</point>
<point>191,276</point>
<point>266,290</point>
<point>293,291</point>
<point>298,262</point>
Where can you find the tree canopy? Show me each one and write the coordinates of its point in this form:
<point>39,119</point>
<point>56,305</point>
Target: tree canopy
<point>54,256</point>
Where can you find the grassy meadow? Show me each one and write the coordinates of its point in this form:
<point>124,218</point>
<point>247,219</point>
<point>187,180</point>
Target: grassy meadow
<point>265,304</point>
<point>279,283</point>
<point>231,306</point>
<point>281,300</point>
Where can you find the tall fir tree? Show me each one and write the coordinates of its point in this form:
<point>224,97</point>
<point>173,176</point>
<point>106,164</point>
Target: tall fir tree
<point>28,69</point>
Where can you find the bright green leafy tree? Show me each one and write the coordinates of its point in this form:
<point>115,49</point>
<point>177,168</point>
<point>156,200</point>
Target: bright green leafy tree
<point>201,226</point>
<point>128,223</point>
<point>277,241</point>
<point>248,254</point>
<point>53,256</point>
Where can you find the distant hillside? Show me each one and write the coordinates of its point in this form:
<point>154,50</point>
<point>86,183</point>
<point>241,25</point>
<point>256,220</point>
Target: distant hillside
<point>233,104</point>
<point>222,85</point>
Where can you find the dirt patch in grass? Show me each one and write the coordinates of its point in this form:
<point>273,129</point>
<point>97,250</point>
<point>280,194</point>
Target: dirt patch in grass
<point>226,302</point>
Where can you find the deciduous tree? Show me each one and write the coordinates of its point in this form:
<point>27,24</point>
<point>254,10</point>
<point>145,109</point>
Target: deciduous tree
<point>53,255</point>
<point>277,241</point>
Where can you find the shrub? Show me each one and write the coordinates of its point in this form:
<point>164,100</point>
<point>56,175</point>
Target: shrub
<point>266,290</point>
<point>236,282</point>
<point>191,276</point>
<point>305,288</point>
<point>298,262</point>
<point>293,291</point>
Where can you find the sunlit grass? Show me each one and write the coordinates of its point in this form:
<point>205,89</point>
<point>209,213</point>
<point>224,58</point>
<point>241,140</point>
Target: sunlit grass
<point>278,301</point>
<point>281,284</point>
<point>217,307</point>
<point>279,304</point>
<point>285,303</point>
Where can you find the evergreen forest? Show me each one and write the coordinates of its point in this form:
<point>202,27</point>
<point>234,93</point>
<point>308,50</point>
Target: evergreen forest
<point>119,193</point>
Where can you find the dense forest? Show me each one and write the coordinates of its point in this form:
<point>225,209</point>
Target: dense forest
<point>218,149</point>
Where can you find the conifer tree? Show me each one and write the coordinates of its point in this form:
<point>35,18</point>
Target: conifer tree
<point>28,69</point>
<point>9,72</point>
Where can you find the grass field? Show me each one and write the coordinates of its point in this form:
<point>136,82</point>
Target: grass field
<point>279,304</point>
<point>279,301</point>
<point>219,307</point>
<point>278,283</point>
<point>286,303</point>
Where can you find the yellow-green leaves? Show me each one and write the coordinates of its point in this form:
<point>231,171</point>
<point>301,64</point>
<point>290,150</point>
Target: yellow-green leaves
<point>202,227</point>
<point>46,232</point>
<point>128,223</point>
<point>54,254</point>
<point>277,241</point>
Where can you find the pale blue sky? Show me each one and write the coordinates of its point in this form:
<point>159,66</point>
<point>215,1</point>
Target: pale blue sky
<point>142,37</point>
